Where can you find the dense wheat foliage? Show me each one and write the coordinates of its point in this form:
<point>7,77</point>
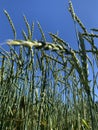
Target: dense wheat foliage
<point>49,86</point>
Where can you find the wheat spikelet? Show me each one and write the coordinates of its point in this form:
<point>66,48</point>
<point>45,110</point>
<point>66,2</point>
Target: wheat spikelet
<point>94,29</point>
<point>41,31</point>
<point>90,35</point>
<point>75,17</point>
<point>71,10</point>
<point>24,43</point>
<point>24,35</point>
<point>11,23</point>
<point>38,45</point>
<point>28,28</point>
<point>32,29</point>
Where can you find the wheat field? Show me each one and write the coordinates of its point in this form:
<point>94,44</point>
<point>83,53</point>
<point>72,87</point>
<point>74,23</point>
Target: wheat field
<point>49,85</point>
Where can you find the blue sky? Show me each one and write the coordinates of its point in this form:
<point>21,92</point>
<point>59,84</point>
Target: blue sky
<point>53,16</point>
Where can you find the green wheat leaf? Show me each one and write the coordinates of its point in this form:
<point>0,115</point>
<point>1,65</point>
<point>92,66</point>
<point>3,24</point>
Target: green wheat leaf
<point>83,55</point>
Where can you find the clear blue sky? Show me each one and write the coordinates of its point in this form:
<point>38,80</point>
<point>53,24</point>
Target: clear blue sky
<point>53,16</point>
